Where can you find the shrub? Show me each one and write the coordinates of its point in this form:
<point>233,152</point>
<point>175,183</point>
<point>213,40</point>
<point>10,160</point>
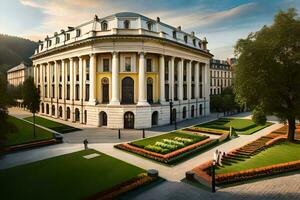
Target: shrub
<point>166,146</point>
<point>173,142</point>
<point>259,117</point>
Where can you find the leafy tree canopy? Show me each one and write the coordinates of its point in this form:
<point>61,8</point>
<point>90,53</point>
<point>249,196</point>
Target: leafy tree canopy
<point>268,69</point>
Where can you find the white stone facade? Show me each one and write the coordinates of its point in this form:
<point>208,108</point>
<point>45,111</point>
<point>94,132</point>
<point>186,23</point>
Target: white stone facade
<point>18,74</point>
<point>122,71</point>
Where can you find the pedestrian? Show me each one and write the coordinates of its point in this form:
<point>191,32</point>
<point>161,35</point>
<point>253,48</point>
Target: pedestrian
<point>85,142</point>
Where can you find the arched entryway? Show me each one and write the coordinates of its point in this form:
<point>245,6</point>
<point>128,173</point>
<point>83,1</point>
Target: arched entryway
<point>105,90</point>
<point>102,118</point>
<point>154,118</point>
<point>128,120</point>
<point>127,90</point>
<point>193,111</point>
<point>150,90</point>
<point>77,115</point>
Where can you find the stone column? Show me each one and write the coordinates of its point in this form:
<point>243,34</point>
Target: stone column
<point>115,99</point>
<point>171,80</point>
<point>162,78</point>
<point>56,82</point>
<point>196,80</point>
<point>189,80</point>
<point>48,80</point>
<point>80,78</point>
<point>34,75</point>
<point>180,80</point>
<point>142,81</point>
<point>71,79</point>
<point>42,78</point>
<point>63,82</point>
<point>206,88</point>
<point>84,80</point>
<point>92,99</point>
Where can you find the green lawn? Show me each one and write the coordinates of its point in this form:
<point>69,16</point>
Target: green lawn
<point>280,153</point>
<point>59,127</point>
<point>242,126</point>
<point>65,177</point>
<point>24,133</point>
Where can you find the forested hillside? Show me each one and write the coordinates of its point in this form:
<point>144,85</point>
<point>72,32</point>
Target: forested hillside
<point>13,50</point>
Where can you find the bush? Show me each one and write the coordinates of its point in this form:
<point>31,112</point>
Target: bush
<point>259,117</point>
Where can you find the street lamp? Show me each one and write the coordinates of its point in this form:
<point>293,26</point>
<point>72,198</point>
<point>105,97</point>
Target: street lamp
<point>213,174</point>
<point>171,109</point>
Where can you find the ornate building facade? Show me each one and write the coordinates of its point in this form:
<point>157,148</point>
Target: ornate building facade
<point>221,75</point>
<point>122,71</point>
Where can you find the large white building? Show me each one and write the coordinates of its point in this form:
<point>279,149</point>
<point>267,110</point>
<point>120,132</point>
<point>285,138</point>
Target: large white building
<point>122,71</point>
<point>18,74</point>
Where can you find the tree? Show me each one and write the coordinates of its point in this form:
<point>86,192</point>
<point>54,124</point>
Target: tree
<point>31,97</point>
<point>259,117</point>
<point>268,69</point>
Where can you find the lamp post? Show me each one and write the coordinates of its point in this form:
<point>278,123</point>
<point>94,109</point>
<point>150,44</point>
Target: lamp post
<point>213,174</point>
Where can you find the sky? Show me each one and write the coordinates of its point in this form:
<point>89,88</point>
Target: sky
<point>222,22</point>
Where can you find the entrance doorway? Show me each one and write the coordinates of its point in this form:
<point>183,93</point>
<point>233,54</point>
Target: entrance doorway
<point>128,120</point>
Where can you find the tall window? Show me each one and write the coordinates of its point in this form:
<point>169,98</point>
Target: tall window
<point>87,92</point>
<point>104,26</point>
<point>149,65</point>
<point>175,92</point>
<point>68,92</point>
<point>57,40</point>
<point>150,90</point>
<point>193,91</point>
<point>77,92</point>
<point>68,36</point>
<point>87,69</point>
<point>185,38</point>
<point>78,32</point>
<point>105,90</point>
<point>184,91</point>
<point>149,25</point>
<point>167,92</point>
<point>166,71</point>
<point>53,90</point>
<point>105,65</point>
<point>128,64</point>
<point>194,42</point>
<point>184,72</point>
<point>46,93</point>
<point>126,24</point>
<point>184,113</point>
<point>60,91</point>
<point>174,35</point>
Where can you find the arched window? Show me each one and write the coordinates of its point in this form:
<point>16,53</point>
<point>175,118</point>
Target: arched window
<point>53,110</point>
<point>154,118</point>
<point>105,90</point>
<point>150,90</point>
<point>60,111</point>
<point>43,109</point>
<point>47,109</point>
<point>68,113</point>
<point>184,112</point>
<point>127,90</point>
<point>104,26</point>
<point>126,24</point>
<point>150,26</point>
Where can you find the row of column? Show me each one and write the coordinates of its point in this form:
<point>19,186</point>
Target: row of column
<point>115,100</point>
<point>180,65</point>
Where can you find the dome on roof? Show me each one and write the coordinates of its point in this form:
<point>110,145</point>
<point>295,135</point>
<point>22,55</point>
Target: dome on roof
<point>127,14</point>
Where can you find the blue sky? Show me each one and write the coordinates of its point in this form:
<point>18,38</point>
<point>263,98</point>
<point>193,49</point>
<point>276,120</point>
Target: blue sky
<point>222,22</point>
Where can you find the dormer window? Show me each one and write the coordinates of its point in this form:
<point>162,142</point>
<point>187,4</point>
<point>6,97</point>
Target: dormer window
<point>194,42</point>
<point>49,43</point>
<point>57,40</point>
<point>185,39</point>
<point>199,43</point>
<point>68,36</point>
<point>174,35</point>
<point>104,26</point>
<point>150,26</point>
<point>126,24</point>
<point>42,46</point>
<point>78,32</point>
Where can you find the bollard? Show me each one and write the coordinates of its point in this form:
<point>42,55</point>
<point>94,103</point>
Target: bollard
<point>213,176</point>
<point>143,133</point>
<point>119,133</point>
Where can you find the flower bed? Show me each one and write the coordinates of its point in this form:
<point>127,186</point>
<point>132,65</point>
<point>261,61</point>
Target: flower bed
<point>171,157</point>
<point>207,130</point>
<point>258,172</point>
<point>140,180</point>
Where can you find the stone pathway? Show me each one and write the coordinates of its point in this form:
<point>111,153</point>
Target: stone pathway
<point>280,188</point>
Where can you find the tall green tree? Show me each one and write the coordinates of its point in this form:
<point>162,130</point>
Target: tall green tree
<point>3,110</point>
<point>267,73</point>
<point>31,97</point>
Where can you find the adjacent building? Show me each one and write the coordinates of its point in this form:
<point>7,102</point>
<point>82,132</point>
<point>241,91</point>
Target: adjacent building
<point>123,71</point>
<point>221,75</point>
<point>18,74</point>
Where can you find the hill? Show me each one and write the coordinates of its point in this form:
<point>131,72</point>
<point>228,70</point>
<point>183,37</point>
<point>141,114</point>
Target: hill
<point>13,50</point>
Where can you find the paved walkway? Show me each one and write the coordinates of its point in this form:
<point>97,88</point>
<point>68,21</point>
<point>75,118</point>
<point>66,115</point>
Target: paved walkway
<point>280,188</point>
